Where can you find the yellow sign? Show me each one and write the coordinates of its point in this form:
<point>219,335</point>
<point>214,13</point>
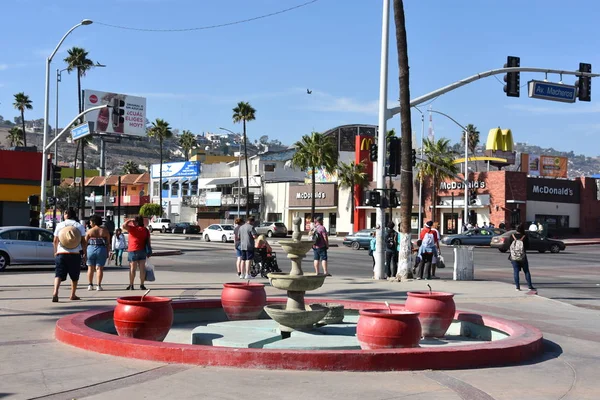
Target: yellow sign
<point>366,143</point>
<point>500,139</point>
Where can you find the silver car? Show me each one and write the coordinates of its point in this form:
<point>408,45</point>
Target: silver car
<point>25,245</point>
<point>272,229</point>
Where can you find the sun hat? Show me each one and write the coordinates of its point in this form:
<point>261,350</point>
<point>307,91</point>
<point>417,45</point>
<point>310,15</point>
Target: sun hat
<point>69,237</point>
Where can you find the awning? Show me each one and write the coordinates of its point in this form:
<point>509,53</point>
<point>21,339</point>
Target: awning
<point>223,181</point>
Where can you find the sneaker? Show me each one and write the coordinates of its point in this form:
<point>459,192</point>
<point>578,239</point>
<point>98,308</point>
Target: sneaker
<point>532,288</point>
<point>99,288</point>
<point>248,277</point>
<point>142,287</point>
<point>419,278</point>
<point>130,287</point>
<point>90,288</point>
<point>518,289</point>
<point>328,274</point>
<point>241,276</point>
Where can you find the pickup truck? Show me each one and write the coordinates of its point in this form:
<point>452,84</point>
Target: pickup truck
<point>161,224</point>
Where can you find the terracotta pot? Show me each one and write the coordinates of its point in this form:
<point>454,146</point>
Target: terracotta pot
<point>380,329</point>
<point>150,319</point>
<point>243,300</point>
<point>436,311</point>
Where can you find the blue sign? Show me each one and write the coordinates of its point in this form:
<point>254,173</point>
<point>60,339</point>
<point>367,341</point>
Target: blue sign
<point>81,130</point>
<point>552,91</point>
<point>177,169</point>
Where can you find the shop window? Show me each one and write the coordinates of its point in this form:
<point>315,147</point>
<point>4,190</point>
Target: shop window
<point>174,189</point>
<point>553,221</point>
<point>185,189</point>
<point>154,190</point>
<point>274,217</point>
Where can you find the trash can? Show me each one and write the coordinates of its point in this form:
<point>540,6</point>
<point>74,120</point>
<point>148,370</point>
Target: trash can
<point>463,263</point>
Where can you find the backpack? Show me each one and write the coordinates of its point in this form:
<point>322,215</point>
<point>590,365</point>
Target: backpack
<point>390,242</point>
<point>315,237</point>
<point>428,242</point>
<point>517,249</point>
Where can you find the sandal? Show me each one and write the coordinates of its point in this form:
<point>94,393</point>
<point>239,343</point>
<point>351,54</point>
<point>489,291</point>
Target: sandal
<point>55,299</point>
<point>75,298</point>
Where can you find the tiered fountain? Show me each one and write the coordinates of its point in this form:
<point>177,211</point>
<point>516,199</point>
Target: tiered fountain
<point>295,314</point>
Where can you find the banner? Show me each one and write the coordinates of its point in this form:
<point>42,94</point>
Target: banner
<point>126,116</point>
<point>553,166</point>
<point>190,169</point>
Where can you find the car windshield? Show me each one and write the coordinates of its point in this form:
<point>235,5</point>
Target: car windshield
<point>166,220</point>
<point>184,224</point>
<point>227,227</point>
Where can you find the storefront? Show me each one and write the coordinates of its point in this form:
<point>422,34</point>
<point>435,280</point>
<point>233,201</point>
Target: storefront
<point>555,203</point>
<point>326,204</point>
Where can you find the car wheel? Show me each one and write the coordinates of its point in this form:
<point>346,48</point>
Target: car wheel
<point>163,229</point>
<point>502,250</point>
<point>150,229</point>
<point>4,261</point>
<point>455,242</point>
<point>184,231</point>
<point>270,234</point>
<point>554,248</point>
<point>355,245</point>
<point>224,239</point>
<point>206,238</point>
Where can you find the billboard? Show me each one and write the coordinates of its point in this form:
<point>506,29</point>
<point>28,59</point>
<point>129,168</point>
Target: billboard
<point>185,169</point>
<point>553,166</point>
<point>126,116</point>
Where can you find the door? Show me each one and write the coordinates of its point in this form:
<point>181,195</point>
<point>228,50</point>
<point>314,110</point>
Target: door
<point>332,224</point>
<point>22,248</point>
<point>45,248</point>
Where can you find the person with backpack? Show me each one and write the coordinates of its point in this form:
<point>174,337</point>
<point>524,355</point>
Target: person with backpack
<point>320,246</point>
<point>391,250</point>
<point>69,246</point>
<point>518,244</point>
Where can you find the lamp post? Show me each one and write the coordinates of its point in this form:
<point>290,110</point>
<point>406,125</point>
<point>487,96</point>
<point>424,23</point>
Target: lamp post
<point>420,223</point>
<point>46,116</point>
<point>239,169</point>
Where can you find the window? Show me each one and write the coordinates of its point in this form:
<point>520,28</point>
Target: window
<point>45,236</point>
<point>10,235</point>
<point>274,216</point>
<point>154,190</point>
<point>185,189</point>
<point>25,235</point>
<point>174,189</point>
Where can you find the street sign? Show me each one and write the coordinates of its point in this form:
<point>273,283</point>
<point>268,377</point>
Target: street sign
<point>552,91</point>
<point>81,130</point>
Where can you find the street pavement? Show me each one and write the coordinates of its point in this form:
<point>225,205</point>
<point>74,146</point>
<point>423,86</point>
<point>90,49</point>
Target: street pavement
<point>34,365</point>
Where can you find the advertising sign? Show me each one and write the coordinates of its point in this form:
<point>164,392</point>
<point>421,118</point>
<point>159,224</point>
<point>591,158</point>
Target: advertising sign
<point>553,190</point>
<point>301,195</point>
<point>184,169</point>
<point>126,114</point>
<point>553,166</point>
<point>213,199</point>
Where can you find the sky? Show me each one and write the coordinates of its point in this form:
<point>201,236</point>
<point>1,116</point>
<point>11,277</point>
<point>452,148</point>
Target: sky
<point>193,79</point>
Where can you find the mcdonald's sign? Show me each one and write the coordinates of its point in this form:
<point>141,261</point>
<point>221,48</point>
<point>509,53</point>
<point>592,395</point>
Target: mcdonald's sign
<point>500,144</point>
<point>361,154</point>
<point>365,143</point>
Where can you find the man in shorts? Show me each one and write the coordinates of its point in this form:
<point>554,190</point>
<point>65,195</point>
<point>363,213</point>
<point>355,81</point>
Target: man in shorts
<point>321,245</point>
<point>247,235</point>
<point>69,241</point>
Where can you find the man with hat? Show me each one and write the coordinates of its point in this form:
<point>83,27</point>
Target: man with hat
<point>69,243</point>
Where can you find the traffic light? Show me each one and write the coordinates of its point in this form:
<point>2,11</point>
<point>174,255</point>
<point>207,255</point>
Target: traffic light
<point>118,110</point>
<point>393,198</point>
<point>414,157</point>
<point>395,159</point>
<point>473,197</point>
<point>584,83</point>
<point>56,175</point>
<point>373,198</point>
<point>373,152</point>
<point>512,79</point>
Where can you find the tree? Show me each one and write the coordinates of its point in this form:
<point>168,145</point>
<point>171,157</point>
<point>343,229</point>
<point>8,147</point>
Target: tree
<point>160,130</point>
<point>22,103</point>
<point>187,141</point>
<point>406,192</point>
<point>77,60</point>
<point>149,210</point>
<point>15,136</point>
<point>131,168</point>
<point>244,112</point>
<point>65,197</point>
<point>473,140</point>
<point>312,152</point>
<point>352,176</point>
<point>442,166</point>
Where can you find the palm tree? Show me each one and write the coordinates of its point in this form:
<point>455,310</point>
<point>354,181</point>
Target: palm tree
<point>473,139</point>
<point>241,113</point>
<point>160,130</point>
<point>131,168</point>
<point>77,59</point>
<point>187,141</point>
<point>15,136</point>
<point>312,152</point>
<point>406,177</point>
<point>439,154</point>
<point>352,176</point>
<point>22,103</point>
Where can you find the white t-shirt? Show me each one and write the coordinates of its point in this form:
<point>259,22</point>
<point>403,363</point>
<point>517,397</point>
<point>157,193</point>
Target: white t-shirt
<point>69,222</point>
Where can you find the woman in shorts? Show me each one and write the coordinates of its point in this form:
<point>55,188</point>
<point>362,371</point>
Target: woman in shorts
<point>98,240</point>
<point>137,250</point>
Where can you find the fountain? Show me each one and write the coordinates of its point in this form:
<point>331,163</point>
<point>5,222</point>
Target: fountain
<point>295,314</point>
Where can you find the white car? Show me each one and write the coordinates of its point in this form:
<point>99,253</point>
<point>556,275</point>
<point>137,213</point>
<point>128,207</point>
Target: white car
<point>218,232</point>
<point>25,245</point>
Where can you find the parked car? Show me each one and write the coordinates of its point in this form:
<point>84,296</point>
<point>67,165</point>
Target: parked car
<point>25,245</point>
<point>222,232</point>
<point>536,242</point>
<point>161,224</point>
<point>272,229</point>
<point>185,228</point>
<point>359,240</point>
<point>476,237</point>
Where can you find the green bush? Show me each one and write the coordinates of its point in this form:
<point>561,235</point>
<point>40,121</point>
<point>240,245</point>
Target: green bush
<point>150,210</point>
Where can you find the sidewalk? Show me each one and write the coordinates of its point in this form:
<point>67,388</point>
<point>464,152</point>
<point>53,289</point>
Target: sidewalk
<point>34,365</point>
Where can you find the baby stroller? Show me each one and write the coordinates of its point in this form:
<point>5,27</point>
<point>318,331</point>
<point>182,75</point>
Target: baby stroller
<point>264,263</point>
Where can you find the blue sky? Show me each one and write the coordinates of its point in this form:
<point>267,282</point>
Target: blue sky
<point>193,79</point>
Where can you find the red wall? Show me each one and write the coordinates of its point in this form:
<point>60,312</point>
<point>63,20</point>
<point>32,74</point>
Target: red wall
<point>20,165</point>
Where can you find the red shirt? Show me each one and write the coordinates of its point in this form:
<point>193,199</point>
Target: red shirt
<point>427,230</point>
<point>137,238</point>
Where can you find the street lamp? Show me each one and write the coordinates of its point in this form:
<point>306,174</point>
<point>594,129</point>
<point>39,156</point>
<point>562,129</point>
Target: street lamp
<point>421,179</point>
<point>46,116</point>
<point>239,170</point>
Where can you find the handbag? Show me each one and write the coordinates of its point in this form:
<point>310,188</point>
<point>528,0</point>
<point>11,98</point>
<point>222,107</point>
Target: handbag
<point>441,263</point>
<point>150,276</point>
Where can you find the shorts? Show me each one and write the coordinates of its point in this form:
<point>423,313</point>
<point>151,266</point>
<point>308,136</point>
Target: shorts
<point>320,253</point>
<point>67,264</point>
<point>247,255</point>
<point>138,255</point>
<point>238,250</point>
<point>96,256</point>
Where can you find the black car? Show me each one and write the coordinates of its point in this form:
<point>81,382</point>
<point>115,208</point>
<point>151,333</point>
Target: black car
<point>359,240</point>
<point>185,228</point>
<point>536,242</point>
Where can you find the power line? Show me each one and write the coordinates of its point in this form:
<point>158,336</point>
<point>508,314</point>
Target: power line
<point>209,26</point>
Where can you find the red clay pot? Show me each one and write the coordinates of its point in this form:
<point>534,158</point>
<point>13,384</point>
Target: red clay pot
<point>436,311</point>
<point>378,329</point>
<point>150,319</point>
<point>241,300</point>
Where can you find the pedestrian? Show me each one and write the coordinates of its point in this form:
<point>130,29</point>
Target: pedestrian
<point>518,244</point>
<point>502,225</point>
<point>320,246</point>
<point>247,235</point>
<point>435,260</point>
<point>138,249</point>
<point>109,224</point>
<point>430,238</point>
<point>69,244</point>
<point>98,247</point>
<point>238,251</point>
<point>417,257</point>
<point>372,247</point>
<point>533,227</point>
<point>118,245</point>
<point>540,229</point>
<point>391,250</point>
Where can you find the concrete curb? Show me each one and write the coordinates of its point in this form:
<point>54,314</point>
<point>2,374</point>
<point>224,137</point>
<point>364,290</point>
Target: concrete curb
<point>166,253</point>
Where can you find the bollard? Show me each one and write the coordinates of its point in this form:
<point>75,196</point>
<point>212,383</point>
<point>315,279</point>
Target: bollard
<point>463,263</point>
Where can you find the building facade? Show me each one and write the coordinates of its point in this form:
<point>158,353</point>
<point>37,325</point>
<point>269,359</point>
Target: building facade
<point>19,179</point>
